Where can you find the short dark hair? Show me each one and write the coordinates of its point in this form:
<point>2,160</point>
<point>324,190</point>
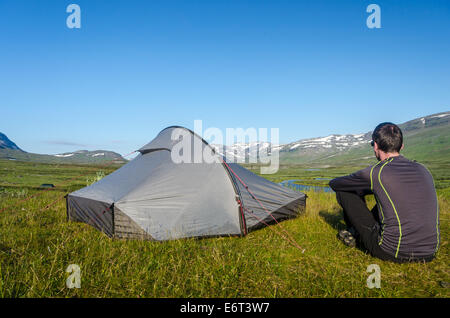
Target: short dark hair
<point>388,136</point>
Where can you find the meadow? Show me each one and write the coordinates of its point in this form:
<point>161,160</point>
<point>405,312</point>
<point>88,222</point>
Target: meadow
<point>37,244</point>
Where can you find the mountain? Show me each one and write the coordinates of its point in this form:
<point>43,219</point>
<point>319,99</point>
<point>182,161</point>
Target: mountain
<point>299,151</point>
<point>426,138</point>
<point>309,150</point>
<point>241,151</point>
<point>77,157</point>
<point>9,150</point>
<point>91,156</point>
<point>5,143</point>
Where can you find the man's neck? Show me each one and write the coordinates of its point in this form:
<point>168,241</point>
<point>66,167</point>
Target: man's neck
<point>387,155</point>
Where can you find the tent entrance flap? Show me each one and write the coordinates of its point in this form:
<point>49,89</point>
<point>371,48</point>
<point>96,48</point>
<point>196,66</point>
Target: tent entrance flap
<point>96,213</point>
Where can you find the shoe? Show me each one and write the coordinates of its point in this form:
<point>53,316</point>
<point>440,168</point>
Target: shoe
<point>347,238</point>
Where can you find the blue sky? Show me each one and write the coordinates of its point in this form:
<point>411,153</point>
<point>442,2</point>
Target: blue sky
<point>309,68</point>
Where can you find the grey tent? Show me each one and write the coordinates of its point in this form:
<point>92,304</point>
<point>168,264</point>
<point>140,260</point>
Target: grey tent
<point>154,197</point>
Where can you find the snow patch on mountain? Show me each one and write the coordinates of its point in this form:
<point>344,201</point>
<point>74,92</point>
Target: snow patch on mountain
<point>64,155</point>
<point>252,151</point>
<point>439,116</point>
<point>340,142</point>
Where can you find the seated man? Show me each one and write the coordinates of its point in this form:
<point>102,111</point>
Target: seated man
<point>404,224</point>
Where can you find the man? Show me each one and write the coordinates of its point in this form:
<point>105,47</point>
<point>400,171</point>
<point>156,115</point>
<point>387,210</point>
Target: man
<point>404,224</point>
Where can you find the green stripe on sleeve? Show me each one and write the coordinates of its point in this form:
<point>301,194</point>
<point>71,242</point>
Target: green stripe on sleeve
<point>371,179</point>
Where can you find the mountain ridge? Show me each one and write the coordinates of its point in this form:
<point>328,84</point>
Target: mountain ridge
<point>10,151</point>
<point>76,157</point>
<point>6,143</point>
<point>336,147</point>
<point>425,137</point>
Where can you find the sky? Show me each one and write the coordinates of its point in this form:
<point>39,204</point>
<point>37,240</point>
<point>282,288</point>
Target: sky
<point>309,68</point>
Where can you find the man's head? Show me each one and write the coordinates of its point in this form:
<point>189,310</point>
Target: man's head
<point>387,140</point>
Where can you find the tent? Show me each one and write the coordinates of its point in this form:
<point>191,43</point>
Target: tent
<point>154,197</point>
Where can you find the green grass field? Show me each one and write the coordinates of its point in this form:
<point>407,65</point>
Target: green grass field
<point>37,244</point>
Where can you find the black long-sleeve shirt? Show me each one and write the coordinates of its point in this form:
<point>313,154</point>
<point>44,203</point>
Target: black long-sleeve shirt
<point>407,205</point>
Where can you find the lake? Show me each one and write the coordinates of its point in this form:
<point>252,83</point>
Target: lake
<point>303,187</point>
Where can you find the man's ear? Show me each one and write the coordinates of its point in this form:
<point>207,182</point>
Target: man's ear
<point>403,145</point>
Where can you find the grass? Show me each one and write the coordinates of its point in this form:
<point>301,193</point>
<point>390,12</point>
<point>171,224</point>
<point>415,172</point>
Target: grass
<point>37,244</point>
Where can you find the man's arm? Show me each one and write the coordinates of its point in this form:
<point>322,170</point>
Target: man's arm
<point>358,182</point>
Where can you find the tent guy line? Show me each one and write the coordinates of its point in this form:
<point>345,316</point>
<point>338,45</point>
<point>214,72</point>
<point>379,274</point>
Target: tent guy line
<point>291,239</point>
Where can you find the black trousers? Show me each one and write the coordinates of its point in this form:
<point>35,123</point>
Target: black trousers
<point>366,223</point>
